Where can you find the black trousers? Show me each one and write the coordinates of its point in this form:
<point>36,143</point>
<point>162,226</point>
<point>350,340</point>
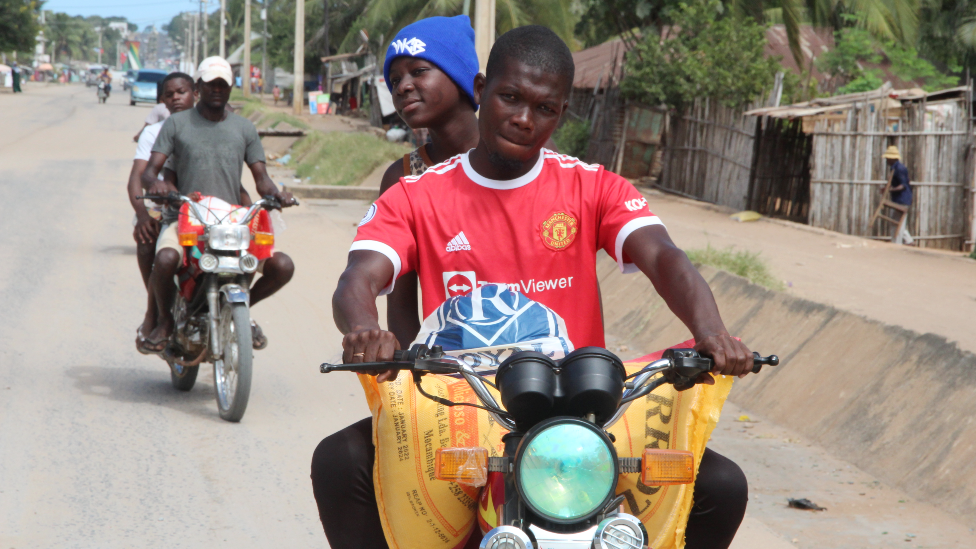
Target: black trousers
<point>342,480</point>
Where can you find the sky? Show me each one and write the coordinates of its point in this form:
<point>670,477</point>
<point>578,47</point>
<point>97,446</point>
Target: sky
<point>140,12</point>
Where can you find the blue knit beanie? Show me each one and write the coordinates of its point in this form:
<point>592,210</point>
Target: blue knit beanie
<point>447,42</point>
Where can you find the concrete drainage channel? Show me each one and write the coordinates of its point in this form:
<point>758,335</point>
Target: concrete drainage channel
<point>897,404</point>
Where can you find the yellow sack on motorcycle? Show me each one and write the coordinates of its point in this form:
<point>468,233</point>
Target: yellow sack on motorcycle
<point>417,510</point>
<point>483,328</point>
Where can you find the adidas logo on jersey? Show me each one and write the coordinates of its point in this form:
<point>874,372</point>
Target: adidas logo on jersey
<point>458,243</point>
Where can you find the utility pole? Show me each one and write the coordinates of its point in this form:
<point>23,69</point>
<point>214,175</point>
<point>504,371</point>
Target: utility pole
<point>298,102</point>
<point>223,17</point>
<point>264,45</point>
<point>196,39</point>
<point>204,10</point>
<point>187,47</point>
<point>246,68</point>
<point>326,67</point>
<point>99,31</point>
<point>484,30</point>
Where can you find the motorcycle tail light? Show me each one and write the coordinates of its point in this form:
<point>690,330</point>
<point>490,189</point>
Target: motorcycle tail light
<point>188,239</point>
<point>666,467</point>
<point>263,239</point>
<point>468,466</point>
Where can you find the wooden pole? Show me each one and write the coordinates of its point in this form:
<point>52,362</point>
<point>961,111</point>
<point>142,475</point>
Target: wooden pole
<point>299,87</point>
<point>246,67</point>
<point>196,41</point>
<point>205,43</point>
<point>484,30</point>
<point>223,38</point>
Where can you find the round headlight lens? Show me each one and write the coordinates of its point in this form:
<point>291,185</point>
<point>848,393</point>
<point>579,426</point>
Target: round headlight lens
<point>566,471</point>
<point>208,263</point>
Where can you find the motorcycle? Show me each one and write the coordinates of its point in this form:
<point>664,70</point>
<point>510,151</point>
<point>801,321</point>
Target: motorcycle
<point>211,316</point>
<point>559,468</point>
<point>103,91</point>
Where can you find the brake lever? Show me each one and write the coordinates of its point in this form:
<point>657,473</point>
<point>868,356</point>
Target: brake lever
<point>688,365</point>
<point>418,358</point>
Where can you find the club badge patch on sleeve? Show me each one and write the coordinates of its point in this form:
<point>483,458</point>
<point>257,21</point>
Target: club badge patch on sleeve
<point>559,231</point>
<point>369,215</point>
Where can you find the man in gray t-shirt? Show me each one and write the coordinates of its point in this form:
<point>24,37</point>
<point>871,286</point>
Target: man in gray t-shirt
<point>211,154</point>
<point>211,145</point>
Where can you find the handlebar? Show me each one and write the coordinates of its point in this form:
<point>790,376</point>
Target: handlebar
<point>679,367</point>
<point>268,202</point>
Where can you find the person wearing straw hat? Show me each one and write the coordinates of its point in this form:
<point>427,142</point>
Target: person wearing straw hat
<point>901,192</point>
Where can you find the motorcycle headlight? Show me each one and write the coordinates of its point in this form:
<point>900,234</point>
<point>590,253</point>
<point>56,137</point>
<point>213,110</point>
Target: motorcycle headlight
<point>208,263</point>
<point>566,470</point>
<point>229,237</point>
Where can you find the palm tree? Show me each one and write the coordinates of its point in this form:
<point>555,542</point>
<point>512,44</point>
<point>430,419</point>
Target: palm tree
<point>382,19</point>
<point>65,34</point>
<point>895,20</point>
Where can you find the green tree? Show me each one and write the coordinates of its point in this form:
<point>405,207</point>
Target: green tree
<point>855,47</point>
<point>382,19</point>
<point>895,20</point>
<point>705,53</point>
<point>18,25</point>
<point>66,35</point>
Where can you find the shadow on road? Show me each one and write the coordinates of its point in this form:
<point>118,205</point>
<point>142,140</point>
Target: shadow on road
<point>119,250</point>
<point>142,387</point>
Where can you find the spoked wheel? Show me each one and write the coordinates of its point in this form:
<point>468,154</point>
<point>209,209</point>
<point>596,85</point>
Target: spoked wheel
<point>232,372</point>
<point>183,377</point>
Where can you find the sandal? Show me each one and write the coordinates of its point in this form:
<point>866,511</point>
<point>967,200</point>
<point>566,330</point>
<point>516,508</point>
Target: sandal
<point>258,339</point>
<point>155,347</point>
<point>141,342</point>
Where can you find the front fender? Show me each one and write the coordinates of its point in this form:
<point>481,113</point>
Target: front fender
<point>235,293</point>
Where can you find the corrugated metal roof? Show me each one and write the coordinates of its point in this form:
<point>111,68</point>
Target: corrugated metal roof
<point>814,42</point>
<point>594,64</point>
<point>840,102</point>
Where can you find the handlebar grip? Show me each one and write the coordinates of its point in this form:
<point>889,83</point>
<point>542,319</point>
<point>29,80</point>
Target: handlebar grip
<point>398,355</point>
<point>759,361</point>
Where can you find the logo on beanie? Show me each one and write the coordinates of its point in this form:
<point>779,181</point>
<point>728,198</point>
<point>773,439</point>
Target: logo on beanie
<point>412,46</point>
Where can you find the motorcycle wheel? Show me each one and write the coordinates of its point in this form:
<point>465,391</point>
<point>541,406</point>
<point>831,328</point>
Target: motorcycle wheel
<point>232,372</point>
<point>183,377</point>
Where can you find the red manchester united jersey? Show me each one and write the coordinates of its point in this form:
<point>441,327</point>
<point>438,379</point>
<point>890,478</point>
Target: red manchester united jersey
<point>538,234</point>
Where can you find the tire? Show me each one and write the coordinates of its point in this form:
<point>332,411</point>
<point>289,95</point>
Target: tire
<point>132,103</point>
<point>232,373</point>
<point>183,377</point>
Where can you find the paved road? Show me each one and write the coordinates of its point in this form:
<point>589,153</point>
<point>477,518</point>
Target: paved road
<point>96,448</point>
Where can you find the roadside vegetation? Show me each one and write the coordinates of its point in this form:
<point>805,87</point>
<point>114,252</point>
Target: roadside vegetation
<point>742,263</point>
<point>573,137</point>
<point>319,158</point>
<point>342,158</point>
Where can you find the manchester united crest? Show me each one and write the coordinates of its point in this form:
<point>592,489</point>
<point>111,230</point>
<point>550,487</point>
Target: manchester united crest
<point>559,231</point>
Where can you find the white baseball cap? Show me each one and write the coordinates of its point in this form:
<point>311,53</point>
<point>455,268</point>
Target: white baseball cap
<point>214,67</point>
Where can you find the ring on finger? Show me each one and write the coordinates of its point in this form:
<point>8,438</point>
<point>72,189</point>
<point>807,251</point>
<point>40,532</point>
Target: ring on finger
<point>359,354</point>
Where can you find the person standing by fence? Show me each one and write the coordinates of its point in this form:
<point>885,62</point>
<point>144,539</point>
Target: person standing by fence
<point>901,193</point>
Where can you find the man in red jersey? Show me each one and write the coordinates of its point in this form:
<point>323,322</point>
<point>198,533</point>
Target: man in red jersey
<point>512,212</point>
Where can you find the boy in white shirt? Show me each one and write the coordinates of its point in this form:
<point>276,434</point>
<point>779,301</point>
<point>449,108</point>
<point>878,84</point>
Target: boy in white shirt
<point>177,95</point>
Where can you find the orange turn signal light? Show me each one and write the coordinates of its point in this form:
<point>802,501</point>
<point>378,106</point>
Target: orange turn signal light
<point>666,467</point>
<point>263,239</point>
<point>468,466</point>
<point>188,239</point>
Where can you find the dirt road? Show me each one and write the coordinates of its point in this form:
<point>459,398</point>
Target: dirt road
<point>925,291</point>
